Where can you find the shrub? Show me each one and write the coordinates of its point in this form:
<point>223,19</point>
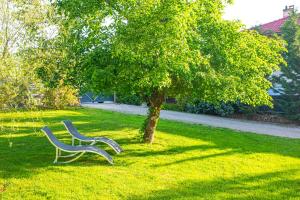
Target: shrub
<point>223,109</point>
<point>18,85</point>
<point>290,106</point>
<point>132,99</point>
<point>240,108</point>
<point>60,97</point>
<point>173,106</point>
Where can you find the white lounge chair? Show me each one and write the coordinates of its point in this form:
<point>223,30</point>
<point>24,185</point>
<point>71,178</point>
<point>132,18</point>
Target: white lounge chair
<point>76,151</point>
<point>77,136</point>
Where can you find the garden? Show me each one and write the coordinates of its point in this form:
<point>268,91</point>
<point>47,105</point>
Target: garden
<point>144,52</point>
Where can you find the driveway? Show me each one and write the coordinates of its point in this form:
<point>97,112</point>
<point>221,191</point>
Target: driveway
<point>235,124</point>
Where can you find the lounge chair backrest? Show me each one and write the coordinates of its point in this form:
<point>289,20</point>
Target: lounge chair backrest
<point>72,130</point>
<point>52,138</point>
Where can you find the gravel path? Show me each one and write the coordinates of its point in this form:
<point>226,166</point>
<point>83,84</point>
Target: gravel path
<point>240,125</point>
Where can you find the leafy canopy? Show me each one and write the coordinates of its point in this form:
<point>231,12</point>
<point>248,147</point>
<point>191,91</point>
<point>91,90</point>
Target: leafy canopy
<point>177,47</point>
<point>160,48</point>
<point>20,21</point>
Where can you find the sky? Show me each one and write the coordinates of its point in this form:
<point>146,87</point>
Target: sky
<point>256,12</point>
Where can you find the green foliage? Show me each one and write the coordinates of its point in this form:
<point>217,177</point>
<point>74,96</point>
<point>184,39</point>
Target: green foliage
<point>132,99</point>
<point>222,109</point>
<point>171,48</point>
<point>76,52</point>
<point>20,22</point>
<point>290,77</point>
<point>176,47</point>
<point>173,106</point>
<point>198,54</point>
<point>19,87</point>
<point>240,63</point>
<point>60,97</point>
<point>199,107</point>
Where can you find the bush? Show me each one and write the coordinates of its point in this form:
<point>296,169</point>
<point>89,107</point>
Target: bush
<point>60,97</point>
<point>223,109</point>
<point>241,108</point>
<point>18,85</point>
<point>131,99</point>
<point>173,107</point>
<point>289,105</point>
<point>227,109</point>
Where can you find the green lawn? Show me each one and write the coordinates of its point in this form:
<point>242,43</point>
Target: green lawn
<point>185,162</point>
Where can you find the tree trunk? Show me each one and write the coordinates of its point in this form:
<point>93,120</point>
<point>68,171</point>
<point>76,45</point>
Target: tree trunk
<point>155,102</point>
<point>6,36</point>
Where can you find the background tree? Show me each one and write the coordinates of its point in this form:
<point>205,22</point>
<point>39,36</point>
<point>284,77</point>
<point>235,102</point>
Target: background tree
<point>289,79</point>
<point>18,84</point>
<point>171,48</point>
<point>19,22</point>
<point>73,51</point>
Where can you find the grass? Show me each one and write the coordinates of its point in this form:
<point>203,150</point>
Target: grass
<point>185,162</point>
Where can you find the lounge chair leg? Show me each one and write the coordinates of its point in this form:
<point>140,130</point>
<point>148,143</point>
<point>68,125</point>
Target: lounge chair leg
<point>56,155</point>
<point>72,160</point>
<point>70,155</point>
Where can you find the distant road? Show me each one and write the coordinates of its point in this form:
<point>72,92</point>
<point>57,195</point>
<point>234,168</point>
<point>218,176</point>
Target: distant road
<point>235,124</point>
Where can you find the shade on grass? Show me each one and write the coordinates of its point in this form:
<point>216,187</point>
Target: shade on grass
<point>185,162</point>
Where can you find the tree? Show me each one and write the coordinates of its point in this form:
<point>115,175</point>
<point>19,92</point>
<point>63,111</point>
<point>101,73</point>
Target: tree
<point>18,84</point>
<point>177,48</point>
<point>289,79</point>
<point>19,21</point>
<point>71,50</point>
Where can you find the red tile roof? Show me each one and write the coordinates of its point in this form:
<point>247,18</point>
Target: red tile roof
<point>275,25</point>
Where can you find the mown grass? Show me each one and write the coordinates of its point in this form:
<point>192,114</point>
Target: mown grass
<point>185,162</point>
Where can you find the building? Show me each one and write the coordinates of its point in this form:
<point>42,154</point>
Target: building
<point>275,26</point>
